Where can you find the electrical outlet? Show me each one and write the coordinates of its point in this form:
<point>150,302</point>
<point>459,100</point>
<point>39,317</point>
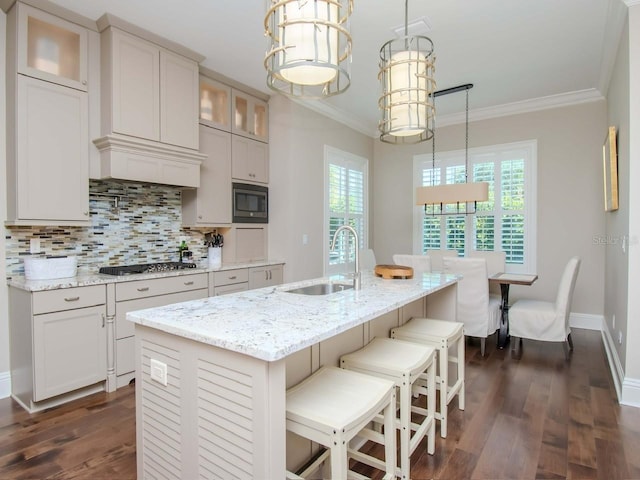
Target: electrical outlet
<point>613,321</point>
<point>34,245</point>
<point>159,372</point>
<point>620,337</point>
<point>305,239</point>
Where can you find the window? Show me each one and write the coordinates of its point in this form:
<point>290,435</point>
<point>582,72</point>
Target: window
<point>346,203</point>
<point>506,221</point>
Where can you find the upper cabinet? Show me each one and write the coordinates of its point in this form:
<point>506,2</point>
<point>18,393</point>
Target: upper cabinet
<point>250,116</point>
<point>215,104</point>
<point>154,92</point>
<point>47,118</point>
<point>150,107</point>
<point>50,48</point>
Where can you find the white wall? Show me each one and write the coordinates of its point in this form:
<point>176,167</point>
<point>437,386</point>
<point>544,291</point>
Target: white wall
<point>297,137</point>
<point>5,387</point>
<point>570,201</point>
<point>617,222</point>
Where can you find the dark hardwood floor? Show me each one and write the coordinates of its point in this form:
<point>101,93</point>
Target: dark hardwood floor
<point>536,417</point>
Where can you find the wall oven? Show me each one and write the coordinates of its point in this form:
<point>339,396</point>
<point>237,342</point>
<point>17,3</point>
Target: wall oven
<point>250,203</point>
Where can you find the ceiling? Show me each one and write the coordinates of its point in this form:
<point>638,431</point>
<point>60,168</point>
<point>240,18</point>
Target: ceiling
<point>519,54</point>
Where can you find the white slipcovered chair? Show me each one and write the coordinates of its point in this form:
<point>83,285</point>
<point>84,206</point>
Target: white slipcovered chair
<point>546,321</point>
<point>496,263</point>
<point>367,259</point>
<point>436,257</point>
<point>479,312</point>
<point>419,263</point>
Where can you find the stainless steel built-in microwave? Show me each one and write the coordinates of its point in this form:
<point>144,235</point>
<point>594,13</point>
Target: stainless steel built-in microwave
<point>250,203</point>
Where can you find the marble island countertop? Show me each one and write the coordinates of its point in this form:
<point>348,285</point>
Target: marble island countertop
<point>85,279</point>
<point>271,323</point>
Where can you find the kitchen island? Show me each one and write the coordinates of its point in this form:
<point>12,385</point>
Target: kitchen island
<point>212,373</point>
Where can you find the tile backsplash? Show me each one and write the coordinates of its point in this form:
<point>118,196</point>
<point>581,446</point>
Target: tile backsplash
<point>130,223</point>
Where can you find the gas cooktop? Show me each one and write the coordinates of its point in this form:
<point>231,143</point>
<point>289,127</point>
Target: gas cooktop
<point>146,268</point>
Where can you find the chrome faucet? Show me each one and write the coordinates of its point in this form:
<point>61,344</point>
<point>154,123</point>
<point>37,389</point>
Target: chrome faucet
<point>356,275</point>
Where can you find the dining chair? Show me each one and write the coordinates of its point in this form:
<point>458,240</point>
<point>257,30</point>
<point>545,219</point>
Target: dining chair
<point>367,259</point>
<point>419,263</point>
<point>546,321</point>
<point>479,312</point>
<point>496,263</point>
<point>436,257</point>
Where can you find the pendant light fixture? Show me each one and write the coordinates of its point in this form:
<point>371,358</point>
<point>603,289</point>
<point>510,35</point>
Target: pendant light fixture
<point>436,197</point>
<point>310,47</point>
<point>406,78</point>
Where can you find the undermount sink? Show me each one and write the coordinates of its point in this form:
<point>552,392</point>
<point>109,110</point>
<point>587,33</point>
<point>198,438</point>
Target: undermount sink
<point>320,289</point>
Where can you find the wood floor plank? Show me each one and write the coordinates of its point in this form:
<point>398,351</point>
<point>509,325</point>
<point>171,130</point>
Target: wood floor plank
<point>533,417</point>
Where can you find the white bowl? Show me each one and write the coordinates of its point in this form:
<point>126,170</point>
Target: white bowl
<point>39,268</point>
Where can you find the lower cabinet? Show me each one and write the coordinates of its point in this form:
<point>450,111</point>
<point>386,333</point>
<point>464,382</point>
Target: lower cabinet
<point>140,294</point>
<point>265,276</point>
<point>58,344</point>
<point>229,281</point>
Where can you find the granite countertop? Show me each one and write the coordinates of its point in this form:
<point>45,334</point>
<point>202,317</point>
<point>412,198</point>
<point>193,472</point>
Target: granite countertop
<point>270,323</point>
<point>85,279</point>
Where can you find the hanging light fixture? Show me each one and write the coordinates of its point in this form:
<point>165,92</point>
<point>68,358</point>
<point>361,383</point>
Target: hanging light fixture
<point>454,193</point>
<point>406,78</point>
<point>310,47</point>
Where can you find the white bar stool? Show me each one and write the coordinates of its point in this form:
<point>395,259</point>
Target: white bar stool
<point>333,406</point>
<point>441,335</point>
<point>403,363</point>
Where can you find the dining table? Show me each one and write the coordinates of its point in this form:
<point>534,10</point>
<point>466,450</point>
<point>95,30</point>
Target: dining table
<point>506,280</point>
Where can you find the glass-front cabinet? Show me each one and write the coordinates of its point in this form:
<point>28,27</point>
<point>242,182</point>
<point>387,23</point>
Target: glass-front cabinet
<point>215,104</point>
<point>250,116</point>
<point>51,49</point>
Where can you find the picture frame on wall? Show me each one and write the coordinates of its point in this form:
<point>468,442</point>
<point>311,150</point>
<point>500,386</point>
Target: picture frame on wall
<point>610,170</point>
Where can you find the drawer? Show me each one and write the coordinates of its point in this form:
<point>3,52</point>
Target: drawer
<point>68,298</point>
<point>160,286</point>
<point>228,277</point>
<point>125,355</point>
<point>125,328</point>
<point>236,287</point>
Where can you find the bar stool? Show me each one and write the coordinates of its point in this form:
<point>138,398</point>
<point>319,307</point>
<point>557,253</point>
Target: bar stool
<point>403,363</point>
<point>441,335</point>
<point>333,406</point>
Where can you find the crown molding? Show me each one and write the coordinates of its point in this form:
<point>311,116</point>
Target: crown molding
<point>631,3</point>
<point>337,114</point>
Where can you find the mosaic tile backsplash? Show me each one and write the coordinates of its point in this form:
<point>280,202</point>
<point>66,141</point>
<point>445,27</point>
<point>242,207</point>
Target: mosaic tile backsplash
<point>142,226</point>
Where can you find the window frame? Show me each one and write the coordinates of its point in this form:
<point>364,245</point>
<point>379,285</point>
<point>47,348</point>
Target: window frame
<point>529,150</point>
<point>336,156</point>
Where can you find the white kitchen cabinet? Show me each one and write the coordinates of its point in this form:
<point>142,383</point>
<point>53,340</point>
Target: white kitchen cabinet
<point>249,160</point>
<point>210,204</point>
<point>50,48</point>
<point>265,276</point>
<point>229,281</point>
<point>48,160</point>
<point>59,344</point>
<point>151,93</point>
<point>149,293</point>
<point>250,116</point>
<point>250,242</point>
<point>215,104</point>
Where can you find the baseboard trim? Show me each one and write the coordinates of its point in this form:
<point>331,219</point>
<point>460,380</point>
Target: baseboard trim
<point>631,392</point>
<point>5,384</point>
<point>586,321</point>
<point>615,366</point>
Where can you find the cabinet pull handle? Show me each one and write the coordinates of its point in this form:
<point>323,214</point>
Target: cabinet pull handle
<point>233,278</point>
<point>71,299</point>
<point>266,275</point>
<point>188,283</point>
<point>103,320</point>
<point>143,289</point>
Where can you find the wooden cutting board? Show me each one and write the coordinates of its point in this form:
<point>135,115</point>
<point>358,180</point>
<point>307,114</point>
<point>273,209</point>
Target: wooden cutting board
<point>393,271</point>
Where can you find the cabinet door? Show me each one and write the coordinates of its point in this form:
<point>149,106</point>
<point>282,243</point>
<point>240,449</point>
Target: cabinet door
<point>265,276</point>
<point>250,160</point>
<point>250,116</point>
<point>179,95</point>
<point>51,48</point>
<point>225,289</point>
<point>135,83</point>
<point>210,204</point>
<point>251,243</point>
<point>69,350</point>
<point>52,158</point>
<point>215,104</point>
